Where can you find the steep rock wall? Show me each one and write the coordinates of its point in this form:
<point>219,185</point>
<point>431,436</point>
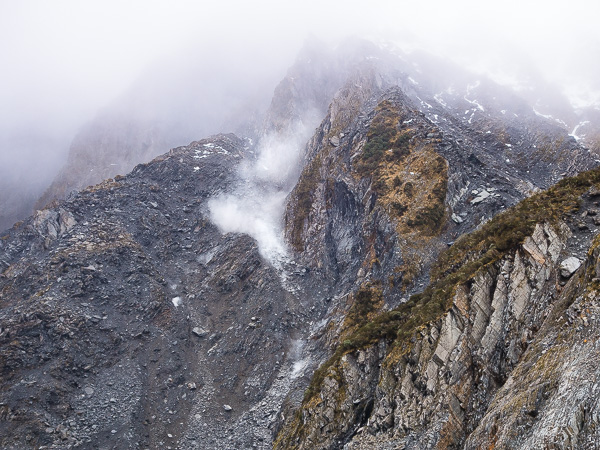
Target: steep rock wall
<point>433,391</point>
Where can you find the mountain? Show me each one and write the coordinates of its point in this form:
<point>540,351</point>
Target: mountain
<point>425,278</point>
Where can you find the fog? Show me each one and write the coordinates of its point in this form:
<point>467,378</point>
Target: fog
<point>64,61</point>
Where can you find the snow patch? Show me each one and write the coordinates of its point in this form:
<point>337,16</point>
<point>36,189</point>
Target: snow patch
<point>438,98</point>
<point>545,116</point>
<point>475,103</point>
<point>424,103</point>
<point>176,301</point>
<point>549,117</point>
<point>574,132</point>
<point>215,147</point>
<point>209,148</point>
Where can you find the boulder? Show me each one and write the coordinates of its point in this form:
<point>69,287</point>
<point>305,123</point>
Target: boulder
<point>456,218</point>
<point>569,266</point>
<point>200,332</point>
<point>480,197</point>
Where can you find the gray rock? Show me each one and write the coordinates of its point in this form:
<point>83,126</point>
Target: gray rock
<point>456,218</point>
<point>569,266</point>
<point>594,192</point>
<point>480,197</point>
<point>200,332</point>
<point>335,141</point>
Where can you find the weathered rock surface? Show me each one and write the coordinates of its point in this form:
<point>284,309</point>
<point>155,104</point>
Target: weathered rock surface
<point>569,266</point>
<point>495,370</point>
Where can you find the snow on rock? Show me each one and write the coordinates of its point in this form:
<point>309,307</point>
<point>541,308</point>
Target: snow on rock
<point>424,103</point>
<point>438,98</point>
<point>574,132</point>
<point>208,149</point>
<point>545,116</point>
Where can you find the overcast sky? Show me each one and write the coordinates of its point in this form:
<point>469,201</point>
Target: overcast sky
<point>62,60</point>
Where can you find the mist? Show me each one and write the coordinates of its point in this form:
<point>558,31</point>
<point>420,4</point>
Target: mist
<point>197,69</point>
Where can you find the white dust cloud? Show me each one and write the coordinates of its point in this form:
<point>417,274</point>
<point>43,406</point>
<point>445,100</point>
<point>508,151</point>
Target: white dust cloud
<point>256,206</point>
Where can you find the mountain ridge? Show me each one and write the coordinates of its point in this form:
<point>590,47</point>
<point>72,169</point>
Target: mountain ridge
<point>130,319</point>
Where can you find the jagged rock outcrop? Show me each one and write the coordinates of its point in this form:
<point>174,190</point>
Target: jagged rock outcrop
<point>430,394</point>
<point>364,207</point>
<point>338,202</point>
<point>492,354</point>
<point>550,399</point>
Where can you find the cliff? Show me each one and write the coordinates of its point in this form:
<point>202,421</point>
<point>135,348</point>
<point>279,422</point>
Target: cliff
<point>486,355</point>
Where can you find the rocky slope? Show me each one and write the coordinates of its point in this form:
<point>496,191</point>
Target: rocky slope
<point>486,356</point>
<point>128,319</point>
<point>339,203</point>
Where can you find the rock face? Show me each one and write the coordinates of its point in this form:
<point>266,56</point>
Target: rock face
<point>493,368</point>
<point>434,389</point>
<point>422,301</point>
